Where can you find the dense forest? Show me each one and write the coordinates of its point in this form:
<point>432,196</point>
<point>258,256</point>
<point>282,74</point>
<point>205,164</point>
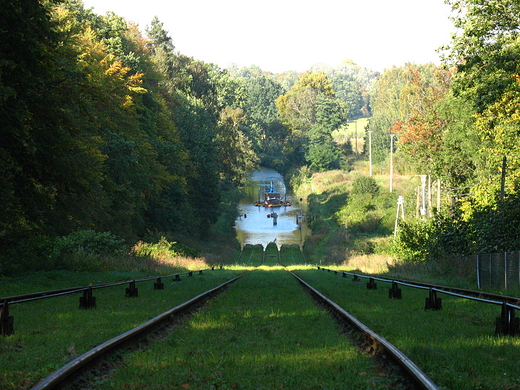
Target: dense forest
<point>108,128</point>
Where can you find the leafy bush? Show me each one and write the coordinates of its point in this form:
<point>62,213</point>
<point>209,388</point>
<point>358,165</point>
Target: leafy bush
<point>365,185</point>
<point>162,249</point>
<point>89,242</point>
<point>414,241</point>
<point>366,214</point>
<point>28,254</point>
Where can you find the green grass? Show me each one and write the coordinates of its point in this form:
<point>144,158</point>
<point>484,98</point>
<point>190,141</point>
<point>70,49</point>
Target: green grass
<point>455,346</point>
<point>51,332</point>
<point>264,332</point>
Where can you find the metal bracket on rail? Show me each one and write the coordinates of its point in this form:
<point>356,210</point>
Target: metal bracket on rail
<point>177,278</point>
<point>159,285</point>
<point>371,285</point>
<point>87,301</point>
<point>131,290</point>
<point>6,321</point>
<point>356,278</point>
<point>432,302</point>
<point>344,274</point>
<point>190,274</point>
<point>395,291</point>
<point>507,324</point>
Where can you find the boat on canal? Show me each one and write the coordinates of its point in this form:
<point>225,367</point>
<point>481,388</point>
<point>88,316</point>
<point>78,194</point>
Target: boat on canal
<point>271,193</point>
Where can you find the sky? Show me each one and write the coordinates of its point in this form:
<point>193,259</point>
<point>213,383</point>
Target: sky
<point>282,35</point>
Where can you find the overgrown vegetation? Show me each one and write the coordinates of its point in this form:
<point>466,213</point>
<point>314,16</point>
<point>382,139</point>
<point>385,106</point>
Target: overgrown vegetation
<point>89,251</point>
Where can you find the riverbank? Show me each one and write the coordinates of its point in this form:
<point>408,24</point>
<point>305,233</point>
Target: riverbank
<point>352,217</point>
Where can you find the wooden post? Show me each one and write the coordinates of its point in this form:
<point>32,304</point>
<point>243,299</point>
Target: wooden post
<point>438,195</point>
<point>503,178</point>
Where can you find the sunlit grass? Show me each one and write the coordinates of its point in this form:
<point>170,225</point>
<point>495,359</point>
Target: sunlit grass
<point>263,333</point>
<point>51,332</point>
<point>455,346</point>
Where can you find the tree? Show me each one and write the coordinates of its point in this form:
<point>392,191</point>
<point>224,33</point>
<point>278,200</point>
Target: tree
<point>265,129</point>
<point>404,103</point>
<point>420,133</point>
<point>298,106</point>
<point>486,49</point>
<point>51,176</point>
<point>235,149</point>
<point>322,151</point>
<point>350,92</point>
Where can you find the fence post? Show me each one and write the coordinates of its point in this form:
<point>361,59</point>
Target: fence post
<point>505,270</point>
<point>87,301</point>
<point>490,273</point>
<point>395,291</point>
<point>478,270</point>
<point>518,260</point>
<point>371,285</point>
<point>159,285</point>
<point>132,291</point>
<point>432,302</point>
<point>6,321</point>
<point>507,324</point>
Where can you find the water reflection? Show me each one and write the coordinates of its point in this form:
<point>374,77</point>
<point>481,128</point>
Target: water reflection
<point>254,227</point>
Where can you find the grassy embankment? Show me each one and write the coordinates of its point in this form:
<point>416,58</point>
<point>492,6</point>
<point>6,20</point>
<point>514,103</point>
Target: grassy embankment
<point>355,231</point>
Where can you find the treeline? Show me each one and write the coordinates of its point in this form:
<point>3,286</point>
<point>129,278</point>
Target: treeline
<point>106,128</point>
<point>457,123</point>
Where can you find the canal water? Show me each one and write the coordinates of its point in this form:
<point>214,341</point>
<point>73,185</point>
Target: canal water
<point>254,227</point>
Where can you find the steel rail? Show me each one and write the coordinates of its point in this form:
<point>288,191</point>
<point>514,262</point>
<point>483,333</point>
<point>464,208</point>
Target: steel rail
<point>66,372</point>
<point>417,375</point>
<point>470,294</point>
<point>74,290</point>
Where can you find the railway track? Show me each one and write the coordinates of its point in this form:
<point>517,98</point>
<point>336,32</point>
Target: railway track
<point>414,376</point>
<point>65,375</point>
<point>317,282</point>
<point>506,324</point>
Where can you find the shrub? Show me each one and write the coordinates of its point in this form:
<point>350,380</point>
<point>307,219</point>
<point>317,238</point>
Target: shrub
<point>89,242</point>
<point>365,185</point>
<point>414,241</point>
<point>28,254</point>
<point>162,249</point>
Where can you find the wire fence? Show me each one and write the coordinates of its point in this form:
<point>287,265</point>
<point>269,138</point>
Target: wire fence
<point>498,270</point>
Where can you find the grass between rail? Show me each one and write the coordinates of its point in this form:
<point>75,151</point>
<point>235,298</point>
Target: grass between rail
<point>455,346</point>
<point>51,332</point>
<point>264,332</point>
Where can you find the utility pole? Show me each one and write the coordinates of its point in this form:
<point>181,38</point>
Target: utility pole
<point>400,207</point>
<point>391,161</point>
<point>355,123</point>
<point>370,149</point>
<point>424,209</point>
